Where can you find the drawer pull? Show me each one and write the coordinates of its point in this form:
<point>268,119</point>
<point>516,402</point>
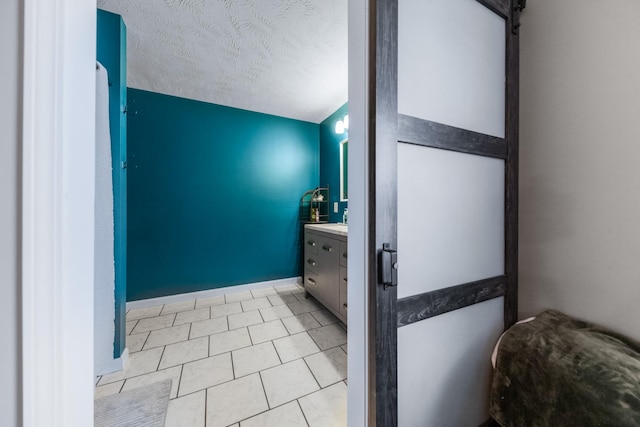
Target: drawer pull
<point>345,305</point>
<point>311,243</point>
<point>344,255</point>
<point>311,262</point>
<point>344,280</point>
<point>327,248</point>
<point>310,280</point>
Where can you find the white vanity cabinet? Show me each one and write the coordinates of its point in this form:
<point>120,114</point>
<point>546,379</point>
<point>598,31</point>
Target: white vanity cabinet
<point>325,266</point>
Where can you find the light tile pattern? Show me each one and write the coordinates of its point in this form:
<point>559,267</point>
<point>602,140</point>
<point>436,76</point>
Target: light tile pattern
<point>253,359</point>
<point>109,389</point>
<point>267,331</point>
<point>208,302</point>
<point>328,367</point>
<point>289,415</point>
<point>192,316</point>
<point>288,382</point>
<point>300,323</point>
<point>187,411</point>
<point>329,336</point>
<point>179,306</point>
<point>234,401</point>
<point>208,327</point>
<point>225,309</point>
<point>183,352</point>
<point>136,341</point>
<point>295,347</point>
<point>324,317</point>
<point>205,373</point>
<point>229,341</point>
<point>277,312</point>
<point>327,407</point>
<point>241,320</point>
<point>162,337</point>
<point>153,323</point>
<point>266,357</point>
<point>130,325</point>
<point>254,304</point>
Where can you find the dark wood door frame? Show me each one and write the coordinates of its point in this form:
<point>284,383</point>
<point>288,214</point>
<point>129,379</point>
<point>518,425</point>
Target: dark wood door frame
<point>382,209</point>
<point>386,129</point>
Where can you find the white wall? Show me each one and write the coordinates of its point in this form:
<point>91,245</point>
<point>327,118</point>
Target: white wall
<point>580,161</point>
<point>10,90</point>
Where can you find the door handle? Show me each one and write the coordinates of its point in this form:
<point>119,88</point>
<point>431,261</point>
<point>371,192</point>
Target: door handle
<point>388,266</point>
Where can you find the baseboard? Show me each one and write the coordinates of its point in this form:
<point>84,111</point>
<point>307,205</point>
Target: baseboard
<point>116,365</point>
<point>169,299</point>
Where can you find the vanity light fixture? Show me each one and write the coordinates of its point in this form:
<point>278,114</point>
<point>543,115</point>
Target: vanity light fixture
<point>342,125</point>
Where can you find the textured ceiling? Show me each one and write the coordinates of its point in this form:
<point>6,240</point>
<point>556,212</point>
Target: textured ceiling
<point>282,57</point>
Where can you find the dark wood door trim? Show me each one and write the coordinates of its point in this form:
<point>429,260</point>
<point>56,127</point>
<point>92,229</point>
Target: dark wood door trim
<point>430,304</point>
<point>512,112</point>
<point>413,130</point>
<point>382,151</point>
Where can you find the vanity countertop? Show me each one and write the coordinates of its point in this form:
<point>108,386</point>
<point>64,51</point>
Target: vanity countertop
<point>335,228</point>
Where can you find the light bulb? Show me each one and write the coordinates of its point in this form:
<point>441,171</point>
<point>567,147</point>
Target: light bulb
<point>340,127</point>
<point>346,121</point>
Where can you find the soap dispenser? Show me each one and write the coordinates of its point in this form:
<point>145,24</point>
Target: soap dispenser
<point>345,215</point>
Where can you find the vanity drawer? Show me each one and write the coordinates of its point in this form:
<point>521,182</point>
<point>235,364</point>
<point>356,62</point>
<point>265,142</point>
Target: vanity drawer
<point>343,254</point>
<point>311,282</point>
<point>311,262</point>
<point>343,304</point>
<point>311,243</point>
<point>343,280</point>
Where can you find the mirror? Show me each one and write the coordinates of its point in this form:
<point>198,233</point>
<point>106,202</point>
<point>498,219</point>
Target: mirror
<point>344,168</point>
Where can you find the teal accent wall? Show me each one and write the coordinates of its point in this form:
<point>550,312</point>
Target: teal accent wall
<point>214,194</point>
<point>330,160</point>
<point>112,54</point>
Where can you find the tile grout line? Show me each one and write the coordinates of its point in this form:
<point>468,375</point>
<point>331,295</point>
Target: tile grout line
<point>233,369</point>
<point>179,381</point>
<point>145,341</point>
<point>160,360</point>
<point>311,370</point>
<point>277,354</point>
<point>302,410</point>
<point>134,326</point>
<point>264,390</point>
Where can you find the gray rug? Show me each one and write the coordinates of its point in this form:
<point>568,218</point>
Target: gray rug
<point>140,407</point>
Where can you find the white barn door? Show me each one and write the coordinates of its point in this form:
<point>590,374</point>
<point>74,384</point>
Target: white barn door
<point>443,155</point>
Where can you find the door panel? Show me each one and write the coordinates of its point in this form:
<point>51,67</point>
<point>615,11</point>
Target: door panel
<point>451,64</point>
<point>445,368</point>
<point>442,211</point>
<point>450,218</point>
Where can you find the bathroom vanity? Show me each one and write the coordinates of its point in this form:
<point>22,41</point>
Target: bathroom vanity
<point>325,266</point>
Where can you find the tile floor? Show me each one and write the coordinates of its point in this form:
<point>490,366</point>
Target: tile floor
<point>267,357</point>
